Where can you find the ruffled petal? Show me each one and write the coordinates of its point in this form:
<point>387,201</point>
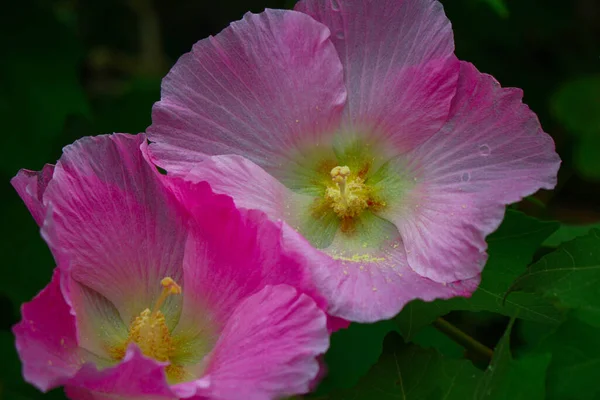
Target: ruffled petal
<point>46,338</point>
<point>399,66</point>
<point>249,185</point>
<point>232,254</point>
<point>268,349</point>
<point>31,186</point>
<point>491,152</point>
<point>370,282</point>
<point>135,378</point>
<point>260,88</point>
<point>114,226</point>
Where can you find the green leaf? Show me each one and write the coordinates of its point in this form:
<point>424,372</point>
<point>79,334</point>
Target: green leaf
<point>569,232</point>
<point>429,337</point>
<point>511,249</point>
<point>570,276</point>
<point>408,372</point>
<point>510,379</point>
<point>575,367</point>
<point>352,353</point>
<point>39,85</point>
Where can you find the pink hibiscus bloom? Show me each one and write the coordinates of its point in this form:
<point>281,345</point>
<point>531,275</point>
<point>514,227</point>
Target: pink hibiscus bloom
<point>163,290</point>
<point>354,122</point>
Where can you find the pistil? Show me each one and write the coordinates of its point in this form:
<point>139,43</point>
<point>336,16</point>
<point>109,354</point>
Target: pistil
<point>340,175</point>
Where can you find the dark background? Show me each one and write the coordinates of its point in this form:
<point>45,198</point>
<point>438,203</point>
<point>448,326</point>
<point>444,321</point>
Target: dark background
<point>71,68</point>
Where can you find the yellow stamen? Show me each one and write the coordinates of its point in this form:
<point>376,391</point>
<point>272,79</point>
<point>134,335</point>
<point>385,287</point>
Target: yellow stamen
<point>350,197</point>
<point>169,287</point>
<point>150,332</point>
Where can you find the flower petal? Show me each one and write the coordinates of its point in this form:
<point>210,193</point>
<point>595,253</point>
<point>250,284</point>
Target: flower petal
<point>261,87</point>
<point>491,152</point>
<point>31,186</point>
<point>366,282</point>
<point>46,338</point>
<point>268,348</point>
<point>232,254</point>
<point>100,328</point>
<point>250,186</point>
<point>399,65</point>
<point>114,226</point>
<point>348,297</point>
<point>135,378</point>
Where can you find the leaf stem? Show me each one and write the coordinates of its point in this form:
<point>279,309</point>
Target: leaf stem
<point>462,338</point>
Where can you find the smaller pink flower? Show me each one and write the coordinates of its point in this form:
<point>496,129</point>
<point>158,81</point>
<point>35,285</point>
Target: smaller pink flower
<point>163,290</point>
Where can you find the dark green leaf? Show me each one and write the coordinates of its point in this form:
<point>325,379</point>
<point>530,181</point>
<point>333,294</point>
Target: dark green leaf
<point>429,337</point>
<point>570,276</point>
<point>575,366</point>
<point>352,353</point>
<point>509,379</point>
<point>511,249</point>
<point>569,232</point>
<point>409,372</point>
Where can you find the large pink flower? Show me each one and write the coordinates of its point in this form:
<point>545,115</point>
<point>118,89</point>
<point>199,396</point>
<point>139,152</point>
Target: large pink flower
<point>163,289</point>
<point>354,122</point>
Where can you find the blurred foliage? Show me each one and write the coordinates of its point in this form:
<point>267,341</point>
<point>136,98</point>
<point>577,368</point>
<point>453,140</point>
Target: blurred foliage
<point>499,6</point>
<point>577,105</point>
<point>72,68</point>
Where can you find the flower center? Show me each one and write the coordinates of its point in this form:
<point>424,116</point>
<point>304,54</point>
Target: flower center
<point>350,196</point>
<point>150,332</point>
<point>149,329</point>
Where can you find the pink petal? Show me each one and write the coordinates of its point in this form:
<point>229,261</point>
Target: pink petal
<point>231,255</point>
<point>350,297</point>
<point>368,284</point>
<point>135,378</point>
<point>250,186</point>
<point>46,338</point>
<point>114,226</point>
<point>268,348</point>
<point>260,88</point>
<point>399,65</point>
<point>492,152</point>
<point>31,186</point>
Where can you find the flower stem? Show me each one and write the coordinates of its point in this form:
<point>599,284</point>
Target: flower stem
<point>462,338</point>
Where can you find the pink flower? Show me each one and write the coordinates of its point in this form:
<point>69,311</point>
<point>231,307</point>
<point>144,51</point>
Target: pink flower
<point>163,289</point>
<point>354,122</point>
